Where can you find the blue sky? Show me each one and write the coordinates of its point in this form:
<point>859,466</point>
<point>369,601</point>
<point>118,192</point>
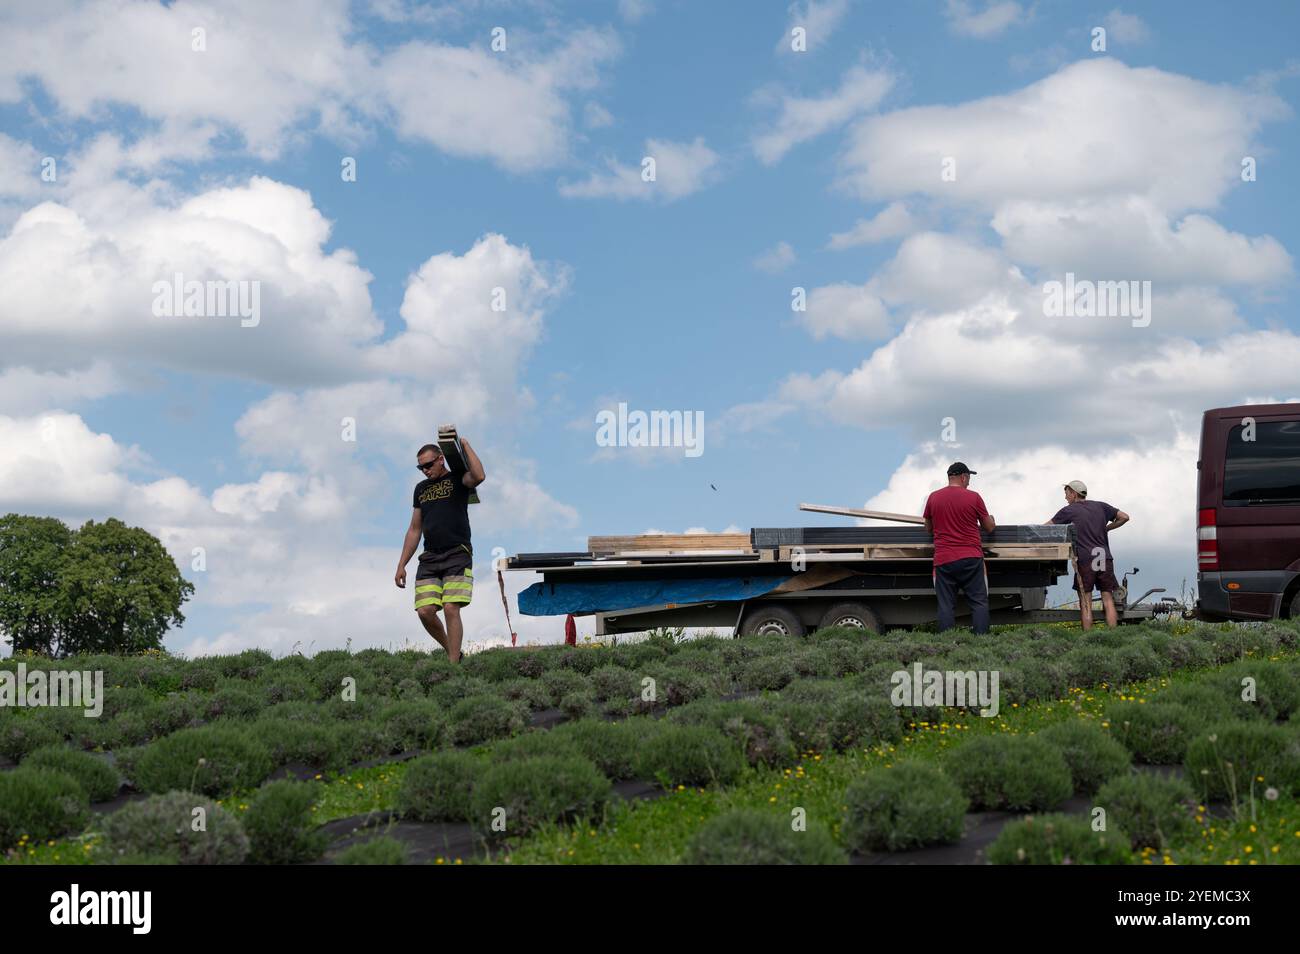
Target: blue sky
<point>492,168</point>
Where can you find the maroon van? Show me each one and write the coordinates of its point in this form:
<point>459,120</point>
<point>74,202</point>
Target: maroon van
<point>1248,513</point>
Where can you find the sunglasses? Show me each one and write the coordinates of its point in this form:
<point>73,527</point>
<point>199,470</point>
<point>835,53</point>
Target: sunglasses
<point>423,467</point>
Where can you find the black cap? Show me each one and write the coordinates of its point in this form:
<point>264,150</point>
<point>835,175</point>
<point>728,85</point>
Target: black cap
<point>957,469</point>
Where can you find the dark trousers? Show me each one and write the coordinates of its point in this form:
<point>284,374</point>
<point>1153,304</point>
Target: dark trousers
<point>967,576</point>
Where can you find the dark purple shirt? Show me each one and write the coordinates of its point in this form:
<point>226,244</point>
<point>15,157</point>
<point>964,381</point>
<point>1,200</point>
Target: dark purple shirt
<point>1089,518</point>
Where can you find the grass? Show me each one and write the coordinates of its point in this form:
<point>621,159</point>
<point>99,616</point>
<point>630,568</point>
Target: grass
<point>659,829</point>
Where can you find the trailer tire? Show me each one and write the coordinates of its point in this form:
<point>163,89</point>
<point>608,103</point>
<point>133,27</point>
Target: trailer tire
<point>772,619</point>
<point>851,614</point>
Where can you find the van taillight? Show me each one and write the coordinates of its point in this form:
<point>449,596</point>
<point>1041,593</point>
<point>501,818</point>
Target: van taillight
<point>1207,540</point>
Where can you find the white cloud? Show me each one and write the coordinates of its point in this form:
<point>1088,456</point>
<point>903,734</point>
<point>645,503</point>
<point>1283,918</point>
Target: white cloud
<point>931,271</point>
<point>776,259</point>
<point>266,68</point>
<point>1126,27</point>
<point>271,72</point>
<point>1070,176</point>
<point>803,118</point>
<point>819,18</point>
<point>20,168</point>
<point>842,310</point>
<point>1129,237</point>
<point>81,288</point>
<point>23,390</point>
<point>681,168</point>
<point>990,21</point>
<point>1013,380</point>
<point>488,106</point>
<point>634,10</point>
<point>596,116</point>
<point>1094,130</point>
<point>893,221</point>
<point>937,271</point>
<point>54,460</point>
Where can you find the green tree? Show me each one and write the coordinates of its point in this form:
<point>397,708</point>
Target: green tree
<point>119,590</point>
<point>32,554</point>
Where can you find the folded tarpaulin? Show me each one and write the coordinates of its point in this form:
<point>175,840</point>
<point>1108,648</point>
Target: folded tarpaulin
<point>554,599</point>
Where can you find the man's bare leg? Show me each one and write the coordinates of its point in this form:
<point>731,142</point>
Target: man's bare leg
<point>1108,604</point>
<point>1085,609</point>
<point>429,617</point>
<point>455,631</point>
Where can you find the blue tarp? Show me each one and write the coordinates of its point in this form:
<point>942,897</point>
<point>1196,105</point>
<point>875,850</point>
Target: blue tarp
<point>555,599</point>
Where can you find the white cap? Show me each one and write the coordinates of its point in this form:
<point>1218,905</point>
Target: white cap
<point>1079,487</point>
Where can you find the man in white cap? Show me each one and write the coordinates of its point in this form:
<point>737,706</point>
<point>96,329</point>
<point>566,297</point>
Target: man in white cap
<point>1092,521</point>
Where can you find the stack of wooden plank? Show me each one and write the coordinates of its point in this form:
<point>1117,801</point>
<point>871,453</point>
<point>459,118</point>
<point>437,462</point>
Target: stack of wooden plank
<point>828,544</point>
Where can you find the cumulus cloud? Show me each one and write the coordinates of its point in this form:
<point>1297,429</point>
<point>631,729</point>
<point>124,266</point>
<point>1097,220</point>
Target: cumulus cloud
<point>1096,129</point>
<point>893,221</point>
<point>975,335</point>
<point>515,113</point>
<point>23,390</point>
<point>681,168</point>
<point>982,22</point>
<point>803,118</point>
<point>270,72</point>
<point>85,288</point>
<point>776,259</point>
<point>1130,237</point>
<point>20,168</point>
<point>1021,386</point>
<point>931,271</point>
<point>842,310</point>
<point>1126,27</point>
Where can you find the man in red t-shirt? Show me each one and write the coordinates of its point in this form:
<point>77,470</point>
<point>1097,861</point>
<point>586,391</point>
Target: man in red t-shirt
<point>955,515</point>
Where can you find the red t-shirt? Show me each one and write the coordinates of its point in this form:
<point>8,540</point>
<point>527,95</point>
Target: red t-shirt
<point>955,512</point>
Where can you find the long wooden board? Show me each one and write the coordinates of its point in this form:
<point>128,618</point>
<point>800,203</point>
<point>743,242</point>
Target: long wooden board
<point>670,542</point>
<point>870,514</point>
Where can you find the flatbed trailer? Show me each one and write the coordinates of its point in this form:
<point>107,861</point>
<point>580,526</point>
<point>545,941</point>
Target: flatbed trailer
<point>794,579</point>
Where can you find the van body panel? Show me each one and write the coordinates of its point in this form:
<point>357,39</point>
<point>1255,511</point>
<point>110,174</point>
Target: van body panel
<point>1249,475</point>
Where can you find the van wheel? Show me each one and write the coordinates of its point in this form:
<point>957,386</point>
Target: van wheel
<point>858,615</point>
<point>771,619</point>
<point>1294,612</point>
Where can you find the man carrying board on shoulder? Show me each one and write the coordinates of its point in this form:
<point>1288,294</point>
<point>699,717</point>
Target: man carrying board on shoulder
<point>445,578</point>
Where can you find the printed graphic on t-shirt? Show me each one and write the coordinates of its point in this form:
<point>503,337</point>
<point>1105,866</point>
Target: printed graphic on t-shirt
<point>436,491</point>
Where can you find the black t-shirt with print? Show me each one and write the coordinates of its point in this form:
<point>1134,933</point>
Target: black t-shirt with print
<point>443,503</point>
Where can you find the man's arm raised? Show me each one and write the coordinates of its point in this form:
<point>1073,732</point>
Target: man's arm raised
<point>474,476</point>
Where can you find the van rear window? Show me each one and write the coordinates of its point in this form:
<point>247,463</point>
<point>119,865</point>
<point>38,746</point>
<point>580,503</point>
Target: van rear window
<point>1264,472</point>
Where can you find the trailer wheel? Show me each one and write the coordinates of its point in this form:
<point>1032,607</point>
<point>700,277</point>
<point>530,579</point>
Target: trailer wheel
<point>858,615</point>
<point>771,619</point>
